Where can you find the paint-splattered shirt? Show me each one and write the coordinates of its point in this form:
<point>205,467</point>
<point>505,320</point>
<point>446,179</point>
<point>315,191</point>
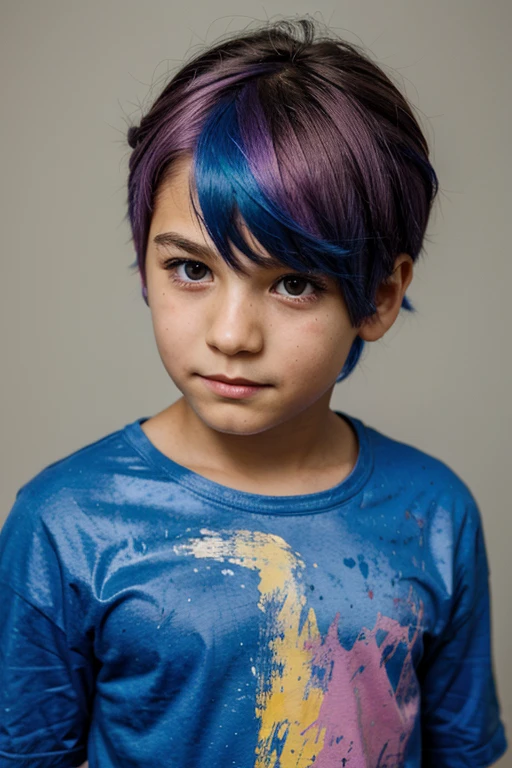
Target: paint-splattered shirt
<point>152,617</point>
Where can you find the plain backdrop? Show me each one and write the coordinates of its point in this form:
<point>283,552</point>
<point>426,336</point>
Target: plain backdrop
<point>78,354</point>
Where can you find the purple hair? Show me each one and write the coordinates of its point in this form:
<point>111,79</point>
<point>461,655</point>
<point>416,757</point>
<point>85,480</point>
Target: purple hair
<point>307,142</point>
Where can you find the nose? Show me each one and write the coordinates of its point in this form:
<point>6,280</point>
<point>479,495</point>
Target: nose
<point>235,323</point>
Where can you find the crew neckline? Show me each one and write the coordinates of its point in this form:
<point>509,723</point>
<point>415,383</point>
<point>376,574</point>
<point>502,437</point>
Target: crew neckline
<point>308,503</point>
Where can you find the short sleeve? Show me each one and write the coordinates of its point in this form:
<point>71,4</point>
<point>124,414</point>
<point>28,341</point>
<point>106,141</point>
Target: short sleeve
<point>461,725</point>
<point>46,683</point>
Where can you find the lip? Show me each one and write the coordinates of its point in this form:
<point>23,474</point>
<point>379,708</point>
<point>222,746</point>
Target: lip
<point>238,380</point>
<point>234,391</point>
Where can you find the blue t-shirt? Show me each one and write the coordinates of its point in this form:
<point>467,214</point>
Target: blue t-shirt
<point>152,617</point>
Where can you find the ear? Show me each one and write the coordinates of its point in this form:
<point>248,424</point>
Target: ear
<point>388,300</point>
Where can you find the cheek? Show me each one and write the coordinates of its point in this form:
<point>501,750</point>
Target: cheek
<point>175,325</point>
<point>323,330</point>
<point>320,342</point>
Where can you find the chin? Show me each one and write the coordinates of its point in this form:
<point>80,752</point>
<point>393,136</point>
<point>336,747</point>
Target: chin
<point>233,418</point>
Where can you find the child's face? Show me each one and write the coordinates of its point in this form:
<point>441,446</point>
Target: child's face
<point>255,327</point>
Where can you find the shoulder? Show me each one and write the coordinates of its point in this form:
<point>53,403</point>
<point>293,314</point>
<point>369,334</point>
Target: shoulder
<point>62,493</point>
<point>435,507</point>
<point>399,456</point>
<point>52,517</point>
<point>76,470</point>
<point>432,487</point>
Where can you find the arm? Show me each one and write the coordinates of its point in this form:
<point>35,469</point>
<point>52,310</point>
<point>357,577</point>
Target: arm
<point>46,678</point>
<point>42,699</point>
<point>461,723</point>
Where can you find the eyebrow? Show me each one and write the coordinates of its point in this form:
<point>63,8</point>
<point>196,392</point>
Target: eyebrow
<point>184,244</point>
<point>199,249</point>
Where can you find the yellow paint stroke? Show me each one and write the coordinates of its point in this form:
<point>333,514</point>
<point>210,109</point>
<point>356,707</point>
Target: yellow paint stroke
<point>288,705</point>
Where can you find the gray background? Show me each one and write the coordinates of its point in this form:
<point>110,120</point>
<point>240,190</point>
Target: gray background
<point>78,354</point>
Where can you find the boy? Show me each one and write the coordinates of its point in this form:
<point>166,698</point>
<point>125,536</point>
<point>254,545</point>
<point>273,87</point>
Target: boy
<point>249,578</point>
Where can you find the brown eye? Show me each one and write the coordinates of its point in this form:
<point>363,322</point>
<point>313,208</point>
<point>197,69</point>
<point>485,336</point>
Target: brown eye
<point>185,271</point>
<point>295,285</point>
<point>195,270</point>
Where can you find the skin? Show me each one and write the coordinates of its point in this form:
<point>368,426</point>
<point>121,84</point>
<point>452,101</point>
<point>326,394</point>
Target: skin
<point>285,440</point>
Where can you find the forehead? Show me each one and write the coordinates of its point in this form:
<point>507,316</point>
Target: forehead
<point>175,224</point>
<point>173,197</point>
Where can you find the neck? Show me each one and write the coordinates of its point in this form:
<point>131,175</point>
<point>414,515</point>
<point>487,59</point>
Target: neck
<point>314,440</point>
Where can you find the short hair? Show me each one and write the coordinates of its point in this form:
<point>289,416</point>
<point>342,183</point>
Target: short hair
<point>307,141</point>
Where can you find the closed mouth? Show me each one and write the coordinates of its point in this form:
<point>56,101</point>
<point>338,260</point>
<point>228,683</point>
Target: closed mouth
<point>235,382</point>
